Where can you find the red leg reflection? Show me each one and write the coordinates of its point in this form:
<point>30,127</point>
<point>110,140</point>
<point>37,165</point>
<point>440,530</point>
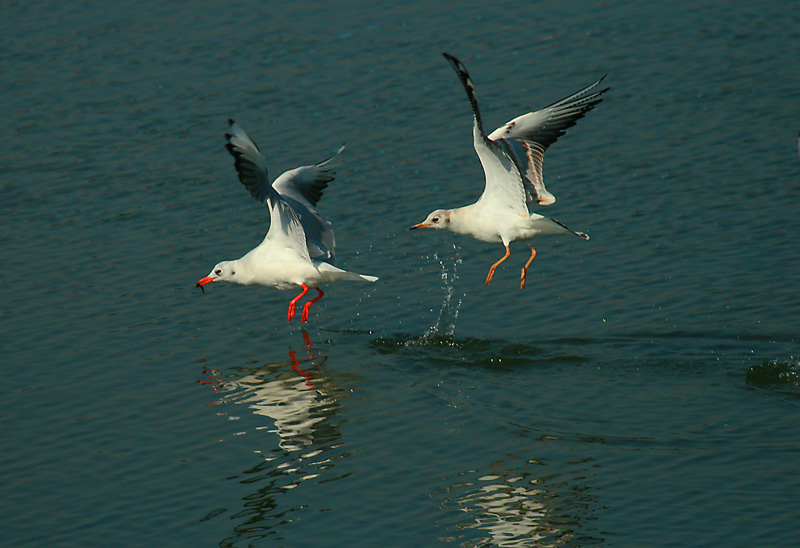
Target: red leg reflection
<point>302,372</point>
<point>214,379</point>
<point>306,339</point>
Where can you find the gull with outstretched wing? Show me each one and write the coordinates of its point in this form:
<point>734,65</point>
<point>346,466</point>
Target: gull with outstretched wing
<point>298,250</point>
<point>512,157</point>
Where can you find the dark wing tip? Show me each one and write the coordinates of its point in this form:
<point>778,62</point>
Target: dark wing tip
<point>469,87</point>
<point>324,162</point>
<point>600,91</point>
<point>246,172</point>
<point>458,66</point>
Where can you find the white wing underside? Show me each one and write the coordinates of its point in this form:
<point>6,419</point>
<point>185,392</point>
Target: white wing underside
<point>528,156</point>
<point>512,155</point>
<point>302,188</point>
<point>286,232</point>
<point>526,138</point>
<point>299,189</point>
<point>504,188</point>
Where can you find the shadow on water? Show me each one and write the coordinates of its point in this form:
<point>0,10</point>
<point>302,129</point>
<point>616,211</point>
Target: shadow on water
<point>778,375</point>
<point>289,407</point>
<point>466,351</point>
<point>678,351</point>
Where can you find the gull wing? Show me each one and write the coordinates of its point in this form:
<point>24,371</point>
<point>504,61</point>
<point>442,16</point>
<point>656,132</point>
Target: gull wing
<point>248,161</point>
<point>306,183</point>
<point>504,186</point>
<point>302,188</point>
<point>299,188</point>
<point>285,229</point>
<point>526,138</point>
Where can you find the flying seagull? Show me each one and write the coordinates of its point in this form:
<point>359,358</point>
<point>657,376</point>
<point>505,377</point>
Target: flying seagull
<point>298,250</point>
<point>512,157</point>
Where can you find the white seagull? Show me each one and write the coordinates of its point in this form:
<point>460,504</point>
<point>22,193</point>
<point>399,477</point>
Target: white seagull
<point>298,250</point>
<point>512,158</point>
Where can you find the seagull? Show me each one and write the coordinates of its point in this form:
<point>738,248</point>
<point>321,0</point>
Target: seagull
<point>298,250</point>
<point>512,157</point>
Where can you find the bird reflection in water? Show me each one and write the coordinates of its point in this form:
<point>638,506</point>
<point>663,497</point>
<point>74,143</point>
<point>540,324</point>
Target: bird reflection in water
<point>300,401</point>
<point>291,397</point>
<point>517,508</point>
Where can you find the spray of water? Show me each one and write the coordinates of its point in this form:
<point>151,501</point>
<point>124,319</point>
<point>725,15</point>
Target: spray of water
<point>445,324</point>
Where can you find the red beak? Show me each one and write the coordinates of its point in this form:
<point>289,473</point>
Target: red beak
<point>204,281</point>
<point>421,225</point>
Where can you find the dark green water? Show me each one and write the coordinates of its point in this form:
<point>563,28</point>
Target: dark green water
<point>642,390</point>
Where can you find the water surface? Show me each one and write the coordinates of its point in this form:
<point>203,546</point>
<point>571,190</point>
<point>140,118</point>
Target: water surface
<point>641,391</point>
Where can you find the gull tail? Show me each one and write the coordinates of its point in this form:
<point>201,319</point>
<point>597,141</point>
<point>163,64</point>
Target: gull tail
<point>332,273</point>
<point>355,276</point>
<point>568,229</point>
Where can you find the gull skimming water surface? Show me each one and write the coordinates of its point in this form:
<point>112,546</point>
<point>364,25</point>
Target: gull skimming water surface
<point>298,250</point>
<point>512,157</point>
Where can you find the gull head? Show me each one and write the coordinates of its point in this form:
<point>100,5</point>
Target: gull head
<point>223,272</point>
<point>439,219</point>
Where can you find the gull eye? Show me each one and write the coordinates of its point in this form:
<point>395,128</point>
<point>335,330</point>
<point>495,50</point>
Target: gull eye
<point>435,220</point>
<point>218,272</point>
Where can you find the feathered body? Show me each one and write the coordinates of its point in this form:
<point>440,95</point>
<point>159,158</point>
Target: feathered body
<point>512,157</point>
<point>299,249</point>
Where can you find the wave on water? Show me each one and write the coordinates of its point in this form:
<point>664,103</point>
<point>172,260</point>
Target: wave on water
<point>445,350</point>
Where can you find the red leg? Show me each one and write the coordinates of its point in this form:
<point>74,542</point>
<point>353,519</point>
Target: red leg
<point>304,317</point>
<point>294,301</point>
<point>494,266</point>
<point>525,269</point>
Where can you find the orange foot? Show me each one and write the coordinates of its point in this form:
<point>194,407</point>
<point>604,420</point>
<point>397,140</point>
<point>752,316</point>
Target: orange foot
<point>494,266</point>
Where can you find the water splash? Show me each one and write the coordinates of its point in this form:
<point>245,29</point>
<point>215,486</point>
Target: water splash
<point>776,373</point>
<point>445,324</point>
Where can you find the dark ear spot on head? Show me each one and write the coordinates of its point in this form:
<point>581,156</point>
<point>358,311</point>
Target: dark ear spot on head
<point>447,219</point>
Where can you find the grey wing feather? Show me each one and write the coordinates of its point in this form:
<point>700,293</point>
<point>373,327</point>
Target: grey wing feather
<point>302,188</point>
<point>546,125</point>
<point>528,156</point>
<point>504,182</point>
<point>527,137</point>
<point>469,88</point>
<point>319,230</point>
<point>299,189</point>
<point>306,183</point>
<point>248,161</point>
